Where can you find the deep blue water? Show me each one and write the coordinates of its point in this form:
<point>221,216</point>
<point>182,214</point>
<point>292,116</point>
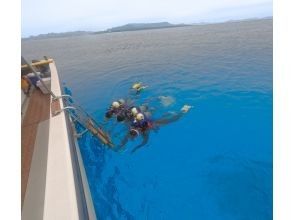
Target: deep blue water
<point>216,161</point>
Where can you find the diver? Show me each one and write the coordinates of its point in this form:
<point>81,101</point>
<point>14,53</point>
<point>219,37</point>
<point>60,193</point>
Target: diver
<point>143,124</point>
<point>117,109</point>
<point>138,87</point>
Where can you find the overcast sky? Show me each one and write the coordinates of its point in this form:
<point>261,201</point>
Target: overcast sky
<point>44,16</point>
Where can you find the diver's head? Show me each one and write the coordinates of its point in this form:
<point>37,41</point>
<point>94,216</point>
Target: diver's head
<point>134,111</point>
<point>122,101</point>
<point>136,86</point>
<point>134,132</point>
<point>115,104</point>
<point>140,117</point>
<point>120,117</point>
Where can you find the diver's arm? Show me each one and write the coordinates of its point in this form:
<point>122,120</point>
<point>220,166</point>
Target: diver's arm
<point>173,117</point>
<point>109,113</point>
<point>144,142</point>
<point>124,141</point>
<point>169,118</point>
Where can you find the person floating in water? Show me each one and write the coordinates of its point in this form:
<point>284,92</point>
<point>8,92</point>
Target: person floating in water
<point>138,87</point>
<point>142,124</point>
<point>117,109</point>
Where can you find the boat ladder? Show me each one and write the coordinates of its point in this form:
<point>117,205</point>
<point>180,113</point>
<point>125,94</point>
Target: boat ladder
<point>78,114</point>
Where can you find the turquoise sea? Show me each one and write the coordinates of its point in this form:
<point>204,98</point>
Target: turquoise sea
<point>214,163</point>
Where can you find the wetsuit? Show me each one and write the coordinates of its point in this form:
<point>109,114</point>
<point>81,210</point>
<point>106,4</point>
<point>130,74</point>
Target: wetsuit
<point>126,113</point>
<point>138,128</point>
<point>143,125</point>
<point>112,111</point>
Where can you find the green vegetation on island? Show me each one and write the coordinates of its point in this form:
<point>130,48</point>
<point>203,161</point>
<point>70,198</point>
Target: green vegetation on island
<point>142,26</point>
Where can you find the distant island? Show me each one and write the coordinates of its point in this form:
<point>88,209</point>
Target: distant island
<point>127,27</point>
<point>141,26</point>
<point>57,35</point>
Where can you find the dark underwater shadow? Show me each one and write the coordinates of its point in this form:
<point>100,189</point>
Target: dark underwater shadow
<point>239,188</point>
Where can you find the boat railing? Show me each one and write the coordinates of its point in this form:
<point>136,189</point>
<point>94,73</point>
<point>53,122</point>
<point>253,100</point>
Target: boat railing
<point>74,110</point>
<point>70,163</point>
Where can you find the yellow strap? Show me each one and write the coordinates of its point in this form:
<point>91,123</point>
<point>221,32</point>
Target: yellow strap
<point>40,63</point>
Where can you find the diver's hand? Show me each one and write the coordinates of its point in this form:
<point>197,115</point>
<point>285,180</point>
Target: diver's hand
<point>186,108</point>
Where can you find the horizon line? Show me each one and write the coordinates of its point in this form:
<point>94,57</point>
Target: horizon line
<point>196,23</point>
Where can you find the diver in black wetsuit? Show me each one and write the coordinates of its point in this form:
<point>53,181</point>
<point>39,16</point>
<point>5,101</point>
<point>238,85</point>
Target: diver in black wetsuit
<point>142,125</point>
<point>119,109</point>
